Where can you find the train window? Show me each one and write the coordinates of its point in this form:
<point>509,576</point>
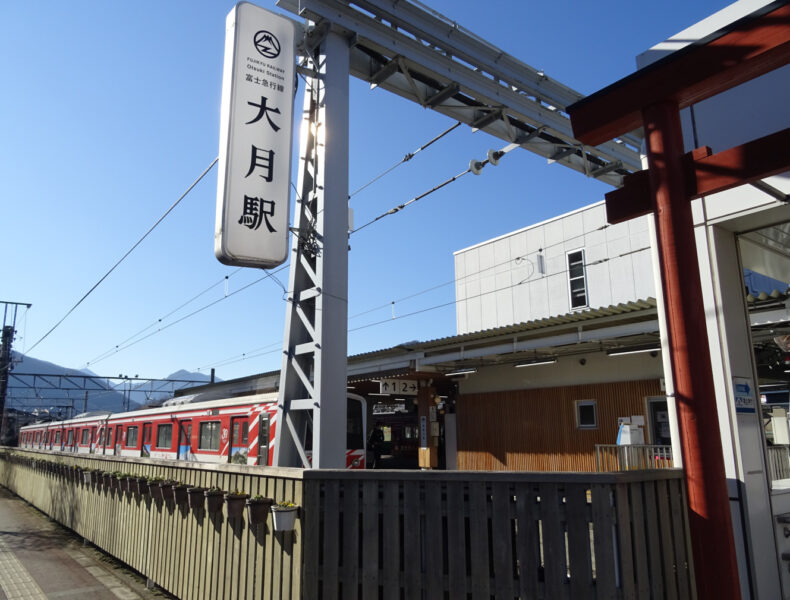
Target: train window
<point>108,436</point>
<point>86,437</point>
<point>70,438</point>
<point>147,434</point>
<point>240,430</point>
<point>209,436</point>
<point>164,436</point>
<point>131,436</point>
<point>57,437</point>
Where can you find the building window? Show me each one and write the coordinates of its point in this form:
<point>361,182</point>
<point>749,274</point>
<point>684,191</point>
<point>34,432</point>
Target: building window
<point>586,414</point>
<point>164,436</point>
<point>131,437</point>
<point>209,436</point>
<point>577,281</point>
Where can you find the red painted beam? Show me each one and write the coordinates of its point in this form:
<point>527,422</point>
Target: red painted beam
<point>706,174</point>
<point>750,47</point>
<point>716,570</point>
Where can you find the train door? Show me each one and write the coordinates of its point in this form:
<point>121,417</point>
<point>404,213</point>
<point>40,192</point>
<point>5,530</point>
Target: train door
<point>185,440</point>
<point>263,438</point>
<point>94,441</point>
<point>118,439</point>
<point>239,432</point>
<point>146,447</point>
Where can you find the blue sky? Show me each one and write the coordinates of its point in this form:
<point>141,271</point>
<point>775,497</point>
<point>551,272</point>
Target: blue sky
<point>110,110</point>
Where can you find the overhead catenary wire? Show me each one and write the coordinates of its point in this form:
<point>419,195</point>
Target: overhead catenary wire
<point>128,252</point>
<point>405,159</point>
<point>258,352</point>
<point>202,308</point>
<point>400,207</point>
<point>114,349</point>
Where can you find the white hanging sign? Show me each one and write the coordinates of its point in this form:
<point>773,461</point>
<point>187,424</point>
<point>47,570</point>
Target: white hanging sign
<point>256,131</point>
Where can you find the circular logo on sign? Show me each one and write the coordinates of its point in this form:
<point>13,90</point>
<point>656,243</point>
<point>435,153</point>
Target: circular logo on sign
<point>266,44</point>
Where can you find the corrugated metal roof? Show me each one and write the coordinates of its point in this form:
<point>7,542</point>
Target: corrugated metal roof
<point>633,308</point>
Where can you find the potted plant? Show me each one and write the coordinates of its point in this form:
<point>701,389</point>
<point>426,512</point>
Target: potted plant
<point>284,515</point>
<point>213,497</point>
<point>106,477</point>
<point>90,476</point>
<point>195,497</point>
<point>258,508</point>
<point>124,479</point>
<point>235,503</point>
<point>179,492</point>
<point>154,485</point>
<point>141,486</point>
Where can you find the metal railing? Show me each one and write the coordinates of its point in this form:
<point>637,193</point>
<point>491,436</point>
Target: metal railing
<point>611,457</point>
<point>778,462</point>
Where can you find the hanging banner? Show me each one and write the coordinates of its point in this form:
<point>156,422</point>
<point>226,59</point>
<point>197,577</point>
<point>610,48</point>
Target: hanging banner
<point>256,132</point>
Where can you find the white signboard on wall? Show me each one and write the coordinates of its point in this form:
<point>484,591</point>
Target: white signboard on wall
<point>744,395</point>
<point>256,131</point>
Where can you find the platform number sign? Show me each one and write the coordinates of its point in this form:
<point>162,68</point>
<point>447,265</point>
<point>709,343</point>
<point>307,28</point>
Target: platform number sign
<point>406,387</point>
<point>256,131</point>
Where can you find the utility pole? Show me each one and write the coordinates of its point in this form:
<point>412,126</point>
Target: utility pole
<point>6,363</point>
<point>5,368</point>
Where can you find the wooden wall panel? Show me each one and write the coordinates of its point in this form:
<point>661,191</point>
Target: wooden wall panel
<point>535,430</point>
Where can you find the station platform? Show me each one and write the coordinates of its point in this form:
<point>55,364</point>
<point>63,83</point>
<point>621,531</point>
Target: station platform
<point>41,560</point>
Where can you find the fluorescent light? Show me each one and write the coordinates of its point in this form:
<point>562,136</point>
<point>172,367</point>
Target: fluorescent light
<point>537,361</point>
<point>633,350</point>
<point>461,372</point>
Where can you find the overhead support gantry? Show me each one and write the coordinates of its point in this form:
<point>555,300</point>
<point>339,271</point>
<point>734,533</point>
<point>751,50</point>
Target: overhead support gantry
<point>424,57</point>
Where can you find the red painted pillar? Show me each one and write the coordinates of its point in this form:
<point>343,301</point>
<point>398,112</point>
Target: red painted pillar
<point>709,510</point>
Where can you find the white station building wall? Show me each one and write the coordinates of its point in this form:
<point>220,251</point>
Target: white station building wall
<point>523,276</point>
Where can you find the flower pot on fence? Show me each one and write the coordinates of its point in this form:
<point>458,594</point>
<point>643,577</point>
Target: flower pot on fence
<point>196,497</point>
<point>235,504</point>
<point>155,487</point>
<point>89,477</point>
<point>179,494</point>
<point>213,500</point>
<point>284,519</point>
<point>258,509</point>
<point>141,486</point>
<point>107,480</point>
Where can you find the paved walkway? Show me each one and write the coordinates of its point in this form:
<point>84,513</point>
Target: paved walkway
<point>40,560</point>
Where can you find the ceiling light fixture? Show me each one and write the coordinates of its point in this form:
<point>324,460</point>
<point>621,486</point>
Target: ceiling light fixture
<point>460,372</point>
<point>632,350</point>
<point>536,362</point>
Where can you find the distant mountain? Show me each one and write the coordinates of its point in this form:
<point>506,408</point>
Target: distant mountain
<point>154,393</point>
<point>54,389</point>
